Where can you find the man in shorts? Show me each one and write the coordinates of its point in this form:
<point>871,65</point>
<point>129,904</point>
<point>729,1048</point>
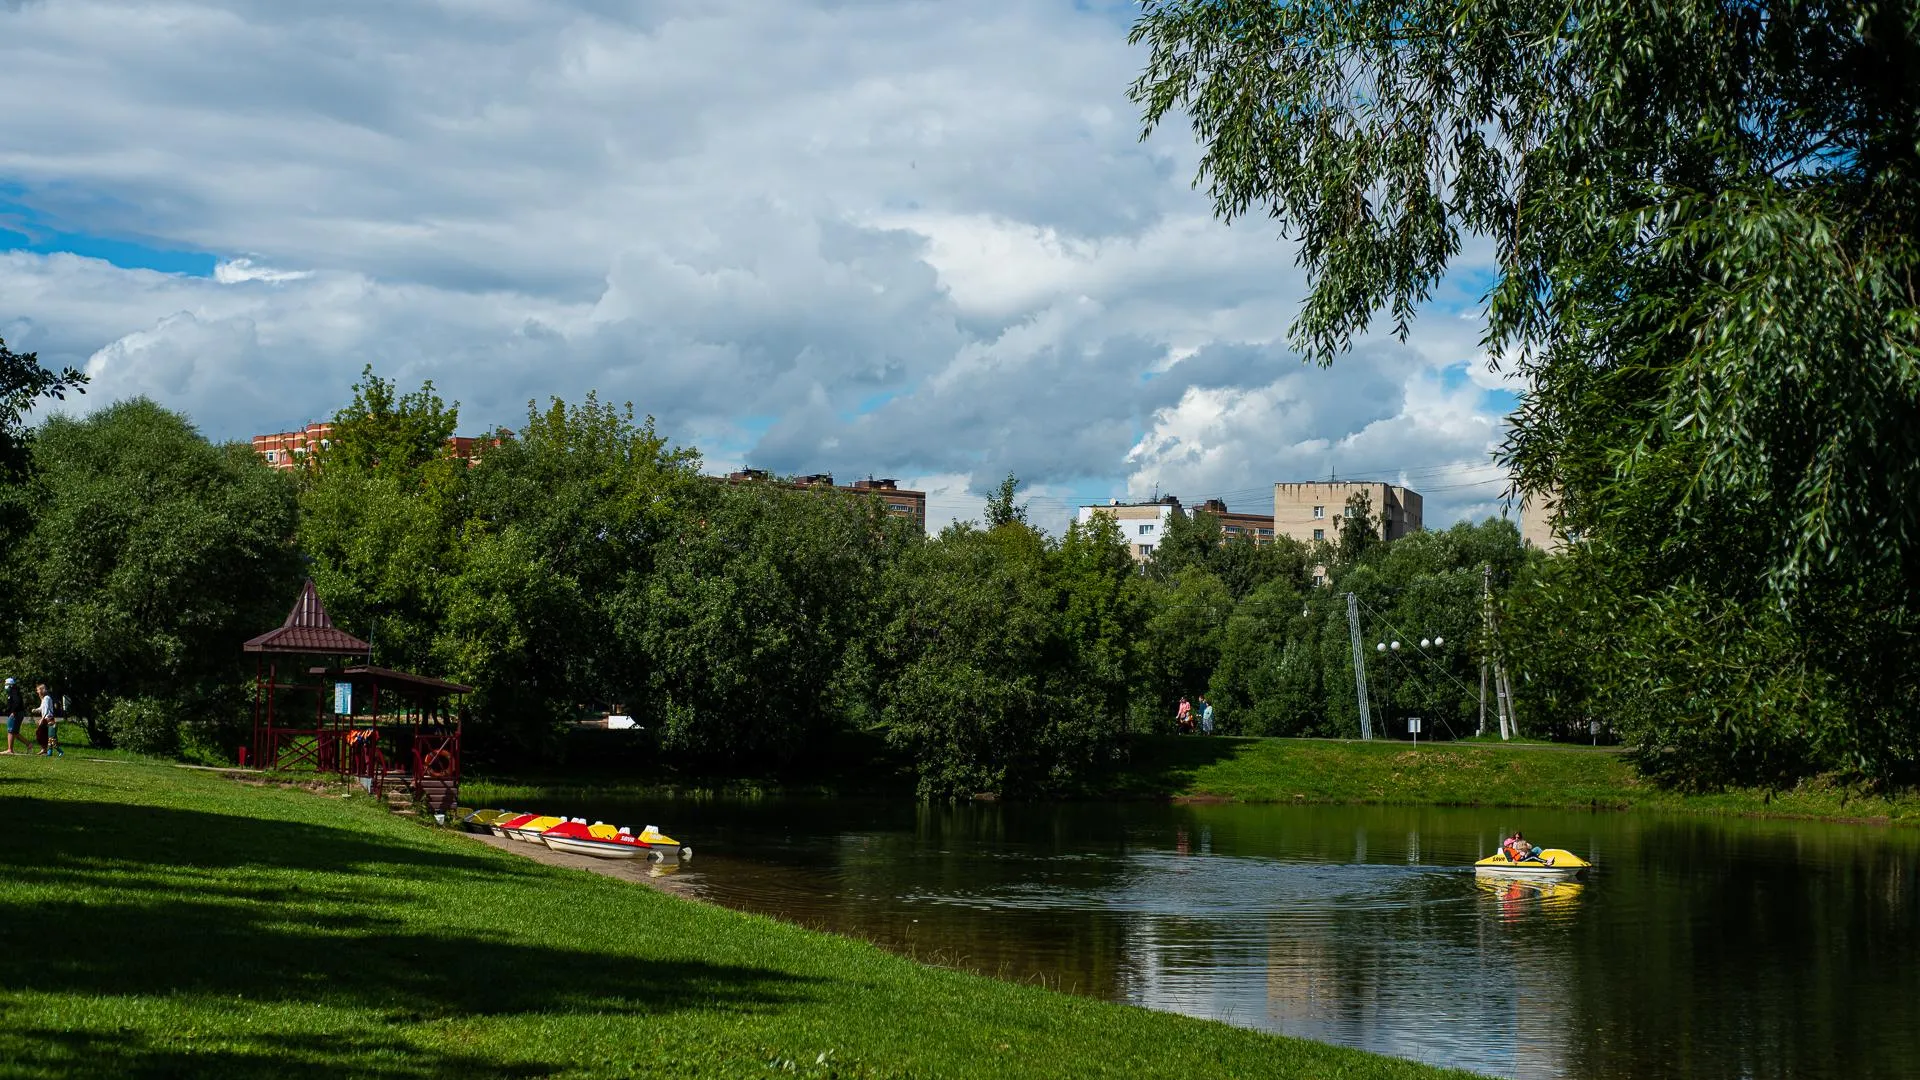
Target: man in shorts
<point>16,708</point>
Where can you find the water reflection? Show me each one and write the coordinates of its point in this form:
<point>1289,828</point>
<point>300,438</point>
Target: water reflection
<point>1516,899</point>
<point>1696,948</point>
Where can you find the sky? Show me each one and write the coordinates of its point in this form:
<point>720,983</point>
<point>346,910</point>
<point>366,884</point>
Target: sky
<point>867,237</point>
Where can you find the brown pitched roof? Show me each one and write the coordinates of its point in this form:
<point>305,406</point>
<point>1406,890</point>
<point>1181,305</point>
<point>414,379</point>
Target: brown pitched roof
<point>308,632</point>
<point>400,681</point>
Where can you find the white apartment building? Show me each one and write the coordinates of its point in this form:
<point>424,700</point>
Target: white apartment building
<point>1141,524</point>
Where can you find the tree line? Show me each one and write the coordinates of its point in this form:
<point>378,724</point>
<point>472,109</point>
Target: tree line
<point>584,563</point>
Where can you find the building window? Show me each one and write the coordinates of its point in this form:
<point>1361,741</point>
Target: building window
<point>1146,549</point>
<point>1319,581</point>
<point>1146,530</point>
<point>1319,534</point>
<point>1319,512</point>
<point>1264,532</point>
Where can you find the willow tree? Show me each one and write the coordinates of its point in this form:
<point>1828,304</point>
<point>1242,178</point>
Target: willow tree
<point>1699,218</point>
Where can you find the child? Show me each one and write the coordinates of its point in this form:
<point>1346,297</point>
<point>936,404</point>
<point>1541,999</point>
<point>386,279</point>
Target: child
<point>48,723</point>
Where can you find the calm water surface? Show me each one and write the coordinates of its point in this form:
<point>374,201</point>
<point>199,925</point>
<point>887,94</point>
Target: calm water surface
<point>1700,948</point>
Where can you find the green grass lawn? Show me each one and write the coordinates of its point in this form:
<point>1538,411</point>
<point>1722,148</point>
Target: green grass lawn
<point>1455,774</point>
<point>166,922</point>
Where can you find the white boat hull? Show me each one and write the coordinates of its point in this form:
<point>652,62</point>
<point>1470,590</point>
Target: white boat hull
<point>596,848</point>
<point>1530,872</point>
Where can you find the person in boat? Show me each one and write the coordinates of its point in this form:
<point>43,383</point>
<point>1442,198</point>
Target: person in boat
<point>1517,848</point>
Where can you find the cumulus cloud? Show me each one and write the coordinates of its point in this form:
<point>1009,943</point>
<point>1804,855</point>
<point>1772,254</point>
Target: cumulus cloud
<point>906,239</point>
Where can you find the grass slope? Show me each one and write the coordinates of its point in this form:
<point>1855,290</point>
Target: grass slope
<point>167,922</point>
<point>1457,774</point>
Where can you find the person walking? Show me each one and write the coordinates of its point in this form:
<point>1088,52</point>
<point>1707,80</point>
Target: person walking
<point>1206,715</point>
<point>49,724</point>
<point>1183,719</point>
<point>16,709</point>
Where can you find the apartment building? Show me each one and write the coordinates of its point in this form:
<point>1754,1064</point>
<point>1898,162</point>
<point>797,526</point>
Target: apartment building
<point>1256,527</point>
<point>1141,524</point>
<point>288,449</point>
<point>1315,509</point>
<point>904,502</point>
<point>1536,523</point>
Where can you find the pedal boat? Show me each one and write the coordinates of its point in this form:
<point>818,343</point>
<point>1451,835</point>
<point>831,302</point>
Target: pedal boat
<point>509,819</point>
<point>599,840</point>
<point>665,848</point>
<point>481,821</point>
<point>1552,864</point>
<point>528,828</point>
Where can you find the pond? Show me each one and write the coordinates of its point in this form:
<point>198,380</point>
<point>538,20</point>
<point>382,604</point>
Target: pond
<point>1698,947</point>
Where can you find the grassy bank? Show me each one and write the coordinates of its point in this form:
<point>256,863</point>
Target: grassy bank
<point>1449,774</point>
<point>170,922</point>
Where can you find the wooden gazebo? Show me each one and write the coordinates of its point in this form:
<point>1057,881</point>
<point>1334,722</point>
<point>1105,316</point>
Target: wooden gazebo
<point>381,726</point>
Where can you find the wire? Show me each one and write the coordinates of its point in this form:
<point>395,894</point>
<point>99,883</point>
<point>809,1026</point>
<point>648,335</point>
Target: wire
<point>1413,644</point>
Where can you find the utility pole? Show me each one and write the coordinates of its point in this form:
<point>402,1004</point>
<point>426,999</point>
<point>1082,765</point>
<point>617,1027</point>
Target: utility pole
<point>1359,665</point>
<point>1486,641</point>
<point>1502,688</point>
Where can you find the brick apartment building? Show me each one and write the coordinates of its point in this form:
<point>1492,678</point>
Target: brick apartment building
<point>288,449</point>
<point>1314,510</point>
<point>904,502</point>
<point>1257,527</point>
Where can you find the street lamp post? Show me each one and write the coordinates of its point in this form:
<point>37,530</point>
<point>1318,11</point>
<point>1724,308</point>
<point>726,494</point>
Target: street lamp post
<point>1393,646</point>
<point>1386,694</point>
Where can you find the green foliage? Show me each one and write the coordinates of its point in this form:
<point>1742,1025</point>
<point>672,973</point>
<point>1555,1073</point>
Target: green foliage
<point>23,382</point>
<point>1182,641</point>
<point>1001,508</point>
<point>386,430</point>
<point>1359,529</point>
<point>1704,222</point>
<point>1007,661</point>
<point>152,555</point>
<point>757,619</point>
<point>143,725</point>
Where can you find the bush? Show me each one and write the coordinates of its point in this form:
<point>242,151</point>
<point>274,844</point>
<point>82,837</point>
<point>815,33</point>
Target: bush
<point>143,725</point>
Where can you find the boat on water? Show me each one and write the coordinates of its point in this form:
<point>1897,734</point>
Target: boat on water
<point>665,848</point>
<point>1550,864</point>
<point>599,840</point>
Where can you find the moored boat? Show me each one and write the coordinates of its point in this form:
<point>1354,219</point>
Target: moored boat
<point>600,840</point>
<point>508,819</point>
<point>665,848</point>
<point>531,829</point>
<point>1551,864</point>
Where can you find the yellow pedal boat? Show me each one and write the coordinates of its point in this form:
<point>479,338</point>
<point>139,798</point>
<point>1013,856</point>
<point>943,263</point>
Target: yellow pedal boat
<point>1551,864</point>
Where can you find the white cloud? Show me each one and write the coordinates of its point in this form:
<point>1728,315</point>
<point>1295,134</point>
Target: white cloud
<point>235,271</point>
<point>912,239</point>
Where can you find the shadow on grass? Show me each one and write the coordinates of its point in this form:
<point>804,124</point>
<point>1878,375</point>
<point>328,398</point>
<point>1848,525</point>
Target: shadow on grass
<point>184,905</point>
<point>1160,766</point>
<point>125,1055</point>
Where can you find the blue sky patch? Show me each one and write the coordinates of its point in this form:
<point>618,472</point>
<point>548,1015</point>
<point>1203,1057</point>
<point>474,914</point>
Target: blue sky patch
<point>22,228</point>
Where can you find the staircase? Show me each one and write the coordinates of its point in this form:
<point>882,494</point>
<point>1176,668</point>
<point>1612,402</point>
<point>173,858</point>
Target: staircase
<point>440,796</point>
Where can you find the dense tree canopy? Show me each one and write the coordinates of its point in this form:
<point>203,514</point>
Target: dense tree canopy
<point>152,555</point>
<point>1702,218</point>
